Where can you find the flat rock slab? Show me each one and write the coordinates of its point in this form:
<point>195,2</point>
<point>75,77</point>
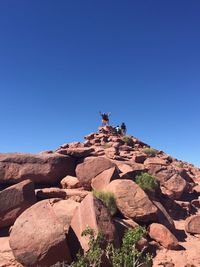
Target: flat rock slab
<point>40,168</point>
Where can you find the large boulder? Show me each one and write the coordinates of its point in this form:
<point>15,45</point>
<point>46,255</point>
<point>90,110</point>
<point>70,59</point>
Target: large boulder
<point>171,182</point>
<point>91,167</point>
<point>132,201</point>
<point>163,236</point>
<point>93,214</point>
<point>104,178</point>
<point>40,168</point>
<point>38,236</point>
<point>192,224</point>
<point>78,152</point>
<point>14,200</point>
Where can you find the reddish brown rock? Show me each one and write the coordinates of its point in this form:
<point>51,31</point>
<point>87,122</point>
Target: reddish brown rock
<point>172,184</point>
<point>79,152</point>
<point>40,168</point>
<point>111,152</point>
<point>175,186</point>
<point>139,158</point>
<point>91,167</point>
<point>93,214</point>
<point>104,178</point>
<point>52,192</point>
<point>7,258</point>
<point>45,224</point>
<point>76,194</point>
<point>130,171</point>
<point>155,160</point>
<point>14,200</point>
<point>70,182</point>
<point>163,216</point>
<point>163,236</point>
<point>132,201</point>
<point>192,224</point>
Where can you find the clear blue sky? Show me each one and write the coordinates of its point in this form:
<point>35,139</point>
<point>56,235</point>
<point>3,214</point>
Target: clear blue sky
<point>63,61</point>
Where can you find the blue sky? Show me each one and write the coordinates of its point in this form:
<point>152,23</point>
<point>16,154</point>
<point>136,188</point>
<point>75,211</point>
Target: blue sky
<point>63,61</point>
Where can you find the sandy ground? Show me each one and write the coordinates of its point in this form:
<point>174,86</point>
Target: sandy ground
<point>187,256</point>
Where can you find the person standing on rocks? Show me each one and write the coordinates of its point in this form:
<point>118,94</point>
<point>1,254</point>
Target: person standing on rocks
<point>105,118</point>
<point>123,128</point>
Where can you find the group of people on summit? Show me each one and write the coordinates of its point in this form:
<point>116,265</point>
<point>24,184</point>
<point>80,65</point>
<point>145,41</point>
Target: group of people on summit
<point>120,130</point>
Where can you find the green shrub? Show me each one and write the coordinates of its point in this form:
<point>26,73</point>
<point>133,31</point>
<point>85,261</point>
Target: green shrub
<point>126,256</point>
<point>150,151</point>
<point>128,140</point>
<point>146,181</point>
<point>108,199</point>
<point>106,145</point>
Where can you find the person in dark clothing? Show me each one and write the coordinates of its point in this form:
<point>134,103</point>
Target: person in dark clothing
<point>123,128</point>
<point>105,118</point>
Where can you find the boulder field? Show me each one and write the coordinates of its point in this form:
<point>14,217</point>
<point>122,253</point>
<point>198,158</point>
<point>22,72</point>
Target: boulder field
<point>47,201</point>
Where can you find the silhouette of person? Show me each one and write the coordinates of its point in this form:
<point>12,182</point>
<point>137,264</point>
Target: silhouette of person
<point>105,118</point>
<point>123,128</point>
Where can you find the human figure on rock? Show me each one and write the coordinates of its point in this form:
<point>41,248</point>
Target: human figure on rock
<point>123,128</point>
<point>105,118</point>
<point>118,130</point>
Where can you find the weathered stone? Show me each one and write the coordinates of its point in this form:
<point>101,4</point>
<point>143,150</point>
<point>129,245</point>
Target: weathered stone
<point>90,168</point>
<point>139,158</point>
<point>111,152</point>
<point>163,236</point>
<point>38,236</point>
<point>132,201</point>
<point>40,168</point>
<point>163,216</point>
<point>70,182</point>
<point>155,160</point>
<point>14,200</point>
<point>79,152</point>
<point>104,178</point>
<point>93,214</point>
<point>192,224</point>
<point>52,192</point>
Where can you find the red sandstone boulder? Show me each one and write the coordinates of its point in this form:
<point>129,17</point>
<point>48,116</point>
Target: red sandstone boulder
<point>132,201</point>
<point>79,152</point>
<point>155,160</point>
<point>172,184</point>
<point>104,178</point>
<point>38,236</point>
<point>70,182</point>
<point>52,192</point>
<point>40,168</point>
<point>93,214</point>
<point>14,200</point>
<point>163,236</point>
<point>192,224</point>
<point>91,167</point>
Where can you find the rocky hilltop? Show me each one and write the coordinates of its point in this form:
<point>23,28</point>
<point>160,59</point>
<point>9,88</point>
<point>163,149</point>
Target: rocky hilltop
<point>46,201</point>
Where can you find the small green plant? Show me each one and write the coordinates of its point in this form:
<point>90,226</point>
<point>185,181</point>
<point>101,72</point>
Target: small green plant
<point>151,152</point>
<point>128,140</point>
<point>107,145</point>
<point>108,199</point>
<point>146,181</point>
<point>126,256</point>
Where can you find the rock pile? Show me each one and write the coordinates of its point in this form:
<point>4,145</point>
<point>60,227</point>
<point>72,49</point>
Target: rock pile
<point>46,199</point>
